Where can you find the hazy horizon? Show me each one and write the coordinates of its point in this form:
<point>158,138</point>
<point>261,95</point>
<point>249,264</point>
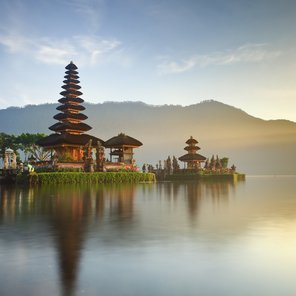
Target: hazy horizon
<point>254,145</point>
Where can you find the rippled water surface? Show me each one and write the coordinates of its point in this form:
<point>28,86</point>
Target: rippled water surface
<point>205,238</point>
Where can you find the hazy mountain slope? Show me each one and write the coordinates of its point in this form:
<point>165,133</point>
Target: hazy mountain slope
<point>254,145</point>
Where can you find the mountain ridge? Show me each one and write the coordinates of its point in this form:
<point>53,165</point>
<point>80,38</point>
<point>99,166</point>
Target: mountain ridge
<point>141,103</point>
<point>255,145</point>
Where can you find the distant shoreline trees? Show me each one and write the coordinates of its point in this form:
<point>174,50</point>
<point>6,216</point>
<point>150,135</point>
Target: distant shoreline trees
<point>24,142</point>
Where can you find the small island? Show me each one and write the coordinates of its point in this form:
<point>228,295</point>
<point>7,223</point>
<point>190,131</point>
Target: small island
<point>196,166</point>
<point>70,155</point>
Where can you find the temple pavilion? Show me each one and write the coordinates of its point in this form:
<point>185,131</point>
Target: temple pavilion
<point>121,148</point>
<point>192,159</point>
<point>69,137</point>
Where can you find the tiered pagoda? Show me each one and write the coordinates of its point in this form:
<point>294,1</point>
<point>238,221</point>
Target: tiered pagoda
<point>69,138</point>
<point>192,158</point>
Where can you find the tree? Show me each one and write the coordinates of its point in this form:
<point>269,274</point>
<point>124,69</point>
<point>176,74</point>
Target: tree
<point>224,162</point>
<point>150,168</point>
<point>212,163</point>
<point>144,168</point>
<point>27,143</point>
<point>39,153</point>
<point>233,168</point>
<point>176,165</point>
<point>169,164</point>
<point>218,163</point>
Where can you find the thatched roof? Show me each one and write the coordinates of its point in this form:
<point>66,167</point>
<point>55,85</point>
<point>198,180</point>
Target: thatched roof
<point>69,100</point>
<point>66,107</point>
<point>192,157</point>
<point>188,148</point>
<point>72,75</point>
<point>122,140</point>
<point>70,79</point>
<point>72,92</point>
<point>71,66</point>
<point>71,86</point>
<point>191,141</point>
<point>63,116</point>
<point>62,126</point>
<point>59,139</point>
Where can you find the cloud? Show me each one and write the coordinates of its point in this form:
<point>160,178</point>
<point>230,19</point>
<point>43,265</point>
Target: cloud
<point>55,52</point>
<point>97,48</point>
<point>250,53</point>
<point>13,42</point>
<point>90,50</point>
<point>89,10</point>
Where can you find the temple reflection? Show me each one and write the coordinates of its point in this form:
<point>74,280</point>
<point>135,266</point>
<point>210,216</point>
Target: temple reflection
<point>72,212</point>
<point>68,211</point>
<point>194,192</point>
<point>78,240</point>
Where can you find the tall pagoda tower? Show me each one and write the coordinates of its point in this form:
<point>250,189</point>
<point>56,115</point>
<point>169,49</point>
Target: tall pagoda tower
<point>192,158</point>
<point>69,138</point>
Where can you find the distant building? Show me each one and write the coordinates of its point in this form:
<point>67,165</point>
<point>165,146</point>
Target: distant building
<point>69,138</point>
<point>192,159</point>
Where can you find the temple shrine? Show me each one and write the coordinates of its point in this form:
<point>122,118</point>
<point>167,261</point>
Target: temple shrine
<point>72,146</point>
<point>121,149</point>
<point>69,138</point>
<point>192,159</point>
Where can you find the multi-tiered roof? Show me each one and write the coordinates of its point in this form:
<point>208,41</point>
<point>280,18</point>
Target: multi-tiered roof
<point>70,118</point>
<point>69,130</point>
<point>192,158</point>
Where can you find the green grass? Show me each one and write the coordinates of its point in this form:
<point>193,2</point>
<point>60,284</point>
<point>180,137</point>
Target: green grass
<point>81,177</point>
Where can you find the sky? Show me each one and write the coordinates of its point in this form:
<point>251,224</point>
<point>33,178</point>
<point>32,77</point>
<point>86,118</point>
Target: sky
<point>241,53</point>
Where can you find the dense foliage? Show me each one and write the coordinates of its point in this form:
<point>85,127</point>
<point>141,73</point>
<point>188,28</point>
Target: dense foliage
<point>24,142</point>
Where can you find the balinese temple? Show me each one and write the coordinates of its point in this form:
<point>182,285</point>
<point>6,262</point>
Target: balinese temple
<point>192,158</point>
<point>121,148</point>
<point>69,137</point>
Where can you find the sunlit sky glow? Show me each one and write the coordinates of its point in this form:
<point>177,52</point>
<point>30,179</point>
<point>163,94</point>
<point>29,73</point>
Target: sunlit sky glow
<point>238,52</point>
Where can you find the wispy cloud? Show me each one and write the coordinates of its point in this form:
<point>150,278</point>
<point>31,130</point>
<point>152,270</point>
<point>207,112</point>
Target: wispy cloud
<point>90,50</point>
<point>54,52</point>
<point>90,11</point>
<point>96,47</point>
<point>14,42</point>
<point>250,53</point>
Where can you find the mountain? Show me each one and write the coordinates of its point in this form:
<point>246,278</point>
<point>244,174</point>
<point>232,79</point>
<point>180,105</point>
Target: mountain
<point>254,145</point>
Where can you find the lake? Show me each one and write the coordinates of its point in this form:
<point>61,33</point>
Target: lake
<point>194,238</point>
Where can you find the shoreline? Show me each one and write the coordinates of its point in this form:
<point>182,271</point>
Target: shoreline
<point>84,177</point>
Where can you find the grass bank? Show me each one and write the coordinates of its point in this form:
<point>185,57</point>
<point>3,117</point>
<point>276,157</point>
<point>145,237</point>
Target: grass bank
<point>82,178</point>
<point>196,176</point>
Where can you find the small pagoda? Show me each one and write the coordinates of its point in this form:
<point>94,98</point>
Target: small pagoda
<point>121,149</point>
<point>69,139</point>
<point>192,159</point>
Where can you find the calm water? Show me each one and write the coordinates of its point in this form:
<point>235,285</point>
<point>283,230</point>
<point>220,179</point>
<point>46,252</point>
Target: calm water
<point>150,239</point>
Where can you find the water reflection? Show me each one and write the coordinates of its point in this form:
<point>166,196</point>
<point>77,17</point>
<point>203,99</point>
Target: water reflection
<point>67,217</point>
<point>152,230</point>
<point>195,192</point>
<point>68,211</point>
